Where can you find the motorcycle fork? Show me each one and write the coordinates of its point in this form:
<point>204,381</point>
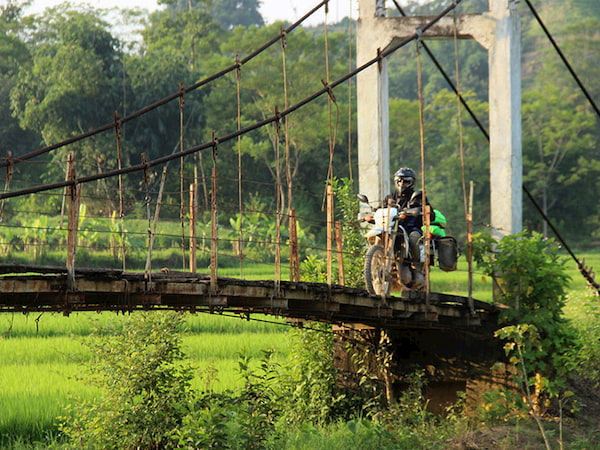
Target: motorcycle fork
<point>390,256</point>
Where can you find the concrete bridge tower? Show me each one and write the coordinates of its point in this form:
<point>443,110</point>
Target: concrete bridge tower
<point>498,31</point>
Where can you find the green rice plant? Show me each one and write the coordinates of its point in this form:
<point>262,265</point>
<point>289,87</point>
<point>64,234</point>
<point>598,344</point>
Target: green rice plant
<point>52,324</point>
<point>34,395</point>
<point>457,282</point>
<point>583,309</point>
<point>41,362</point>
<point>263,271</point>
<point>220,346</point>
<point>32,351</point>
<point>221,375</point>
<point>83,323</point>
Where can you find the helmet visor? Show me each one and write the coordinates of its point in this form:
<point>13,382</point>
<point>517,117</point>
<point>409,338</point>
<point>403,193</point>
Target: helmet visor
<point>404,181</point>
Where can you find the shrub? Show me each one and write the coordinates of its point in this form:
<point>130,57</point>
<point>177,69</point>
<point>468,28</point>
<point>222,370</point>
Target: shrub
<point>533,282</point>
<point>145,383</point>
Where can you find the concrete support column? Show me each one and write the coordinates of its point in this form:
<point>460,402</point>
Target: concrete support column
<point>372,106</point>
<point>506,165</point>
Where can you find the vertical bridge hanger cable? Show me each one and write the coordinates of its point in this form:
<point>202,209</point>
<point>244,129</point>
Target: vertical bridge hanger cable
<point>424,206</point>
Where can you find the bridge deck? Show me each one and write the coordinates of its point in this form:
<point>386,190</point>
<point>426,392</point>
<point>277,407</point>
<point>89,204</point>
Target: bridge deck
<point>36,289</point>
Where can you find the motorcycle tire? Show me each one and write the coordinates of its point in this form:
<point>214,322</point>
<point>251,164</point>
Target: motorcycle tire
<point>375,278</point>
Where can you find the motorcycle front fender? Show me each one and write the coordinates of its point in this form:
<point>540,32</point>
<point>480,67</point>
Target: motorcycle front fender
<point>373,236</point>
<point>374,232</point>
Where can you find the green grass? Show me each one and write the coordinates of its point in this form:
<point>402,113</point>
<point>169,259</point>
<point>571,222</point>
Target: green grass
<point>33,396</point>
<point>42,363</point>
<point>254,272</point>
<point>457,282</point>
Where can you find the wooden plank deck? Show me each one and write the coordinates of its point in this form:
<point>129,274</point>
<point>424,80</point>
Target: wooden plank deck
<point>27,289</point>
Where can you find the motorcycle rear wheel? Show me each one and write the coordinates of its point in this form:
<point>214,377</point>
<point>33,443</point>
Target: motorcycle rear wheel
<point>375,278</point>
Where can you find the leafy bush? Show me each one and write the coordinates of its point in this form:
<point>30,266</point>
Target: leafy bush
<point>531,277</point>
<point>309,381</point>
<point>145,385</point>
<point>539,341</point>
<point>354,242</point>
<point>244,419</point>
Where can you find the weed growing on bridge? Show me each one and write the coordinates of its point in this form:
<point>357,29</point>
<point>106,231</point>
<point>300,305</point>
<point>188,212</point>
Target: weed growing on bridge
<point>354,242</point>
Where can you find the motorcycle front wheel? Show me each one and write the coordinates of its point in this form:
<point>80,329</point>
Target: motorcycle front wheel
<point>375,277</point>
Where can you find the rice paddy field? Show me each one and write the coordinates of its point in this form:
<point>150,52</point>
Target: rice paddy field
<point>42,361</point>
<point>42,357</point>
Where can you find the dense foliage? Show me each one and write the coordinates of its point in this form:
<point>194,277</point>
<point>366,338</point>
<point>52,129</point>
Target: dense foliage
<point>65,72</point>
<point>531,280</point>
<point>146,400</point>
<point>541,344</point>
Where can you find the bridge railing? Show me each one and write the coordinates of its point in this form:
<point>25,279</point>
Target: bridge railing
<point>153,227</point>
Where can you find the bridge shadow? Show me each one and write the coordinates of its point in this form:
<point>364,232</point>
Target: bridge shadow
<point>448,365</point>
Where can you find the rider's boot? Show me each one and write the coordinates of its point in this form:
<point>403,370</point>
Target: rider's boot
<point>406,275</point>
<point>417,274</point>
<point>417,255</point>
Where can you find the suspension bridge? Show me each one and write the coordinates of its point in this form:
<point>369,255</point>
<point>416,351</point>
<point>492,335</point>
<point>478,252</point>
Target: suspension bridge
<point>119,238</point>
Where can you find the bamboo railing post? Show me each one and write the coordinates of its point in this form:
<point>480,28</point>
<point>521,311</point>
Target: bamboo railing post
<point>329,232</point>
<point>294,260</point>
<point>182,172</point>
<point>193,188</point>
<point>470,246</point>
<point>427,245</point>
<point>214,243</point>
<point>340,252</point>
<point>120,178</point>
<point>73,222</point>
<point>152,231</point>
<point>9,174</point>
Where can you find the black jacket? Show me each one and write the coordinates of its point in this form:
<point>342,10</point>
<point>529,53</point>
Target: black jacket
<point>408,200</point>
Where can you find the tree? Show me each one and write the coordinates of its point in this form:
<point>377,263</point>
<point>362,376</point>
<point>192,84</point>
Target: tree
<point>175,50</point>
<point>72,84</point>
<point>232,13</point>
<point>561,135</point>
<point>14,56</point>
<point>263,94</point>
<point>227,13</point>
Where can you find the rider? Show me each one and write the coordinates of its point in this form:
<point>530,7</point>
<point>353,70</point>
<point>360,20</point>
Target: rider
<point>405,197</point>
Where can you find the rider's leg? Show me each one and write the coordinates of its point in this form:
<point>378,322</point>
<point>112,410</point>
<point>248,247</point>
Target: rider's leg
<point>414,239</point>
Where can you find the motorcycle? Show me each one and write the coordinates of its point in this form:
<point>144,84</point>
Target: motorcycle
<point>388,263</point>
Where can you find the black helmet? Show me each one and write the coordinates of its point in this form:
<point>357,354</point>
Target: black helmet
<point>405,179</point>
